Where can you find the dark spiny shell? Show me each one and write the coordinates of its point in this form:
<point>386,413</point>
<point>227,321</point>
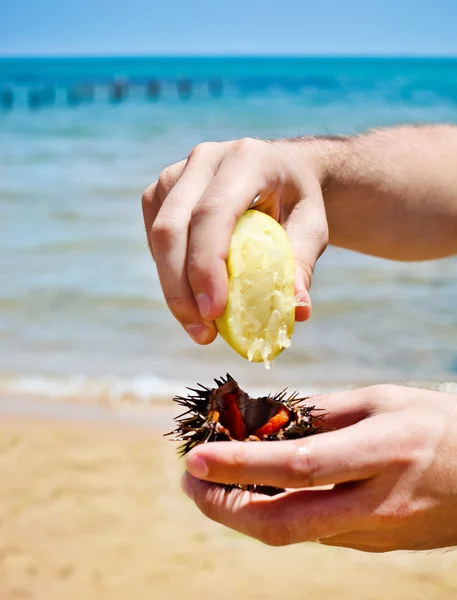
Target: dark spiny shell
<point>227,413</point>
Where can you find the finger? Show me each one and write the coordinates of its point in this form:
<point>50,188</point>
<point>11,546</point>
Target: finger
<point>306,226</point>
<point>241,177</point>
<point>155,194</point>
<point>343,409</point>
<point>346,455</point>
<point>288,518</point>
<point>169,239</point>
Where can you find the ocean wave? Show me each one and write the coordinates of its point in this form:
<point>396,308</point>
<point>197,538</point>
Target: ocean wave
<point>142,390</point>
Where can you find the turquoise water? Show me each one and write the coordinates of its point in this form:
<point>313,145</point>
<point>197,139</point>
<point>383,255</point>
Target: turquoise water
<point>80,305</point>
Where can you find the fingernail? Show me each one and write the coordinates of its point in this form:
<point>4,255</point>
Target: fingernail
<point>186,485</point>
<point>301,293</point>
<point>204,305</point>
<point>197,466</point>
<point>199,333</point>
<point>302,299</point>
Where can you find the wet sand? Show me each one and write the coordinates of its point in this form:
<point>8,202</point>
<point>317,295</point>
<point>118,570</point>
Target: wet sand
<point>93,510</point>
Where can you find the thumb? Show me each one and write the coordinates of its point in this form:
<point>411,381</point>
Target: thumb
<point>307,228</point>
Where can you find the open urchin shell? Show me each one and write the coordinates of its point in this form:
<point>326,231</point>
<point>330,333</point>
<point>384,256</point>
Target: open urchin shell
<point>227,413</point>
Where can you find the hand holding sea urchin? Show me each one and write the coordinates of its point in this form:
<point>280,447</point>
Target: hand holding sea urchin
<point>227,413</point>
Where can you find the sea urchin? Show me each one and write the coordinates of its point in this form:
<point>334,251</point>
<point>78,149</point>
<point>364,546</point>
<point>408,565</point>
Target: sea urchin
<point>227,413</point>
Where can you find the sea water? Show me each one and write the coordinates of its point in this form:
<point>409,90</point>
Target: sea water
<point>81,309</point>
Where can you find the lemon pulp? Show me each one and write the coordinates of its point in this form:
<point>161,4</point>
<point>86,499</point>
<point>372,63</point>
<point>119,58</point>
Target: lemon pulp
<point>259,317</point>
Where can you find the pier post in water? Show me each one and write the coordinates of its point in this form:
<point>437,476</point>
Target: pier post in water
<point>118,90</point>
<point>153,89</point>
<point>6,98</point>
<point>184,88</point>
<point>34,98</point>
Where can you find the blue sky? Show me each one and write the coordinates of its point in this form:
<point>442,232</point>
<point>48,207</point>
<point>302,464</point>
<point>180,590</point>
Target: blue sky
<point>386,27</point>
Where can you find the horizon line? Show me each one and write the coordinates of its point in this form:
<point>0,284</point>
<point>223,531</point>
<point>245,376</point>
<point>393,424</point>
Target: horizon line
<point>233,55</point>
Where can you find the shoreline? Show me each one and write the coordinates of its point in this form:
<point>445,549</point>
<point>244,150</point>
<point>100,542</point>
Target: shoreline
<point>157,410</point>
<point>33,408</point>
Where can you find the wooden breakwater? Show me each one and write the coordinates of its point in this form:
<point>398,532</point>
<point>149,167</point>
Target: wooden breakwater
<point>115,91</point>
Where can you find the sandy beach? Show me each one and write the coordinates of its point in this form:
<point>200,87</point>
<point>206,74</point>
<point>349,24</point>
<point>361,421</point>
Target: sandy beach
<point>92,510</point>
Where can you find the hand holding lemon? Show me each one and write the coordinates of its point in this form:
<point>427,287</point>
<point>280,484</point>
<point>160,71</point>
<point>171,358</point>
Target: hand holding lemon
<point>224,268</point>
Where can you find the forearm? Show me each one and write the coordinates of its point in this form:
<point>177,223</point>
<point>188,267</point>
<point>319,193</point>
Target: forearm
<point>391,192</point>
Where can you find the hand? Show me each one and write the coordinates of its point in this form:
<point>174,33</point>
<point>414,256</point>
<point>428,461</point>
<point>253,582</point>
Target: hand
<point>391,459</point>
<point>191,211</point>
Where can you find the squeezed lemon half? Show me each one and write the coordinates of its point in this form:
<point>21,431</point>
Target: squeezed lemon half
<point>259,317</point>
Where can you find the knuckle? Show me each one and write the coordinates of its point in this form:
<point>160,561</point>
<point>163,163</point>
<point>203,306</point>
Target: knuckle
<point>166,180</point>
<point>238,458</point>
<point>385,391</point>
<point>164,230</point>
<point>148,195</point>
<point>301,468</point>
<point>395,512</point>
<point>245,145</point>
<point>200,266</point>
<point>182,307</point>
<point>409,449</point>
<point>207,207</point>
<point>201,150</point>
<point>383,395</point>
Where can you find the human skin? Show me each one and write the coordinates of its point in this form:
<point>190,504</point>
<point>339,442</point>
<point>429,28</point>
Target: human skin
<point>390,457</point>
<point>389,193</point>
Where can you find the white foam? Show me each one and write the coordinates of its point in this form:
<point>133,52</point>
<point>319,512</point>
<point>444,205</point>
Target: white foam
<point>146,390</point>
<point>142,388</point>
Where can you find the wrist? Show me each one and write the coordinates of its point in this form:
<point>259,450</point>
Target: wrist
<point>325,156</point>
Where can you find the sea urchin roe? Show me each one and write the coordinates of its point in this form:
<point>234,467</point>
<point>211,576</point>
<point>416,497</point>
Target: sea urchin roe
<point>231,417</point>
<point>273,425</point>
